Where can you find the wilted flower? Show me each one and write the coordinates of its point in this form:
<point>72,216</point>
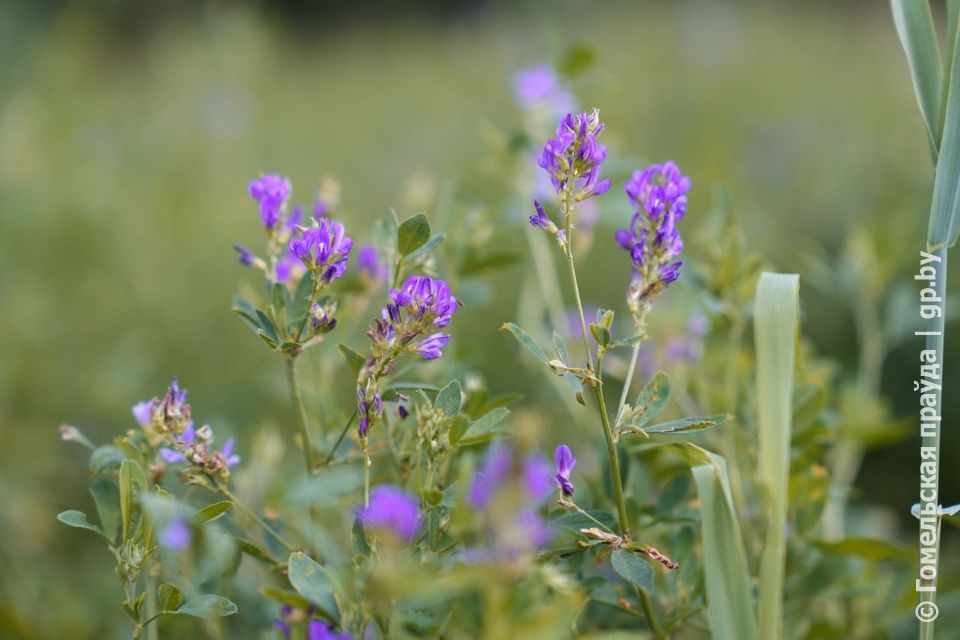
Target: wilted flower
<point>659,194</point>
<point>323,249</point>
<point>271,192</point>
<point>572,159</point>
<point>175,536</point>
<point>565,462</point>
<point>391,508</point>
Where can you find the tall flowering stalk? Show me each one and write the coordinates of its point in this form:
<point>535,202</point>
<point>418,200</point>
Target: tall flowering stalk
<point>301,262</point>
<point>408,324</point>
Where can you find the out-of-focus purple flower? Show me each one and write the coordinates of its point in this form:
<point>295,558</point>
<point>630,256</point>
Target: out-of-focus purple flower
<point>246,256</point>
<point>391,508</point>
<point>535,530</point>
<point>493,473</point>
<point>143,412</point>
<point>320,209</point>
<point>698,326</point>
<point>575,155</point>
<point>588,213</point>
<point>293,220</point>
<point>573,320</point>
<point>431,348</point>
<point>539,87</point>
<point>318,630</point>
<point>324,249</point>
<point>537,477</point>
<point>369,263</point>
<point>565,462</point>
<point>659,195</point>
<point>175,536</point>
<point>229,456</point>
<point>271,192</point>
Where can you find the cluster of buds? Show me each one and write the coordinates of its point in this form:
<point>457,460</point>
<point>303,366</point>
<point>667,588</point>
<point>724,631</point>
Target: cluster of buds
<point>168,426</point>
<point>658,194</point>
<point>433,432</point>
<point>407,324</point>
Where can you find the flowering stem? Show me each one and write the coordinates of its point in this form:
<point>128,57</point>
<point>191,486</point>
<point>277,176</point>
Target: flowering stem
<point>567,203</point>
<point>301,413</point>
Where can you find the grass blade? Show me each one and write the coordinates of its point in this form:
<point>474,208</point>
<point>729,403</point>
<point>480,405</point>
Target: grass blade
<point>945,209</point>
<point>915,27</point>
<point>776,318</point>
<point>727,577</point>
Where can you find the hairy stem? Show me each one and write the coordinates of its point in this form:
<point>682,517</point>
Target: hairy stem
<point>301,413</point>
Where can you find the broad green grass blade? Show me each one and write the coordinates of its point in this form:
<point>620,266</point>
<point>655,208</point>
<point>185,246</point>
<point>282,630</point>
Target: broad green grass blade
<point>727,577</point>
<point>776,324</point>
<point>945,209</point>
<point>915,28</point>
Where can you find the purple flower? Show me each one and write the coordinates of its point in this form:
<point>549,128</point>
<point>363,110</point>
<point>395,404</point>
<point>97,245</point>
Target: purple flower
<point>369,410</point>
<point>246,257</point>
<point>369,263</point>
<point>320,210</point>
<point>539,87</point>
<point>539,219</point>
<point>143,412</point>
<point>271,192</point>
<point>659,195</point>
<point>576,155</point>
<point>318,630</point>
<point>535,530</point>
<point>324,249</point>
<point>425,298</point>
<point>293,220</point>
<point>172,456</point>
<point>536,477</point>
<point>493,473</point>
<point>175,536</point>
<point>565,463</point>
<point>430,348</point>
<point>229,456</point>
<point>391,508</point>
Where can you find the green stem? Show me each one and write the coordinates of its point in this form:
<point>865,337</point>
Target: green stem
<point>301,413</point>
<point>253,516</point>
<point>343,433</point>
<point>634,356</point>
<point>648,611</point>
<point>366,475</point>
<point>151,601</point>
<point>567,204</point>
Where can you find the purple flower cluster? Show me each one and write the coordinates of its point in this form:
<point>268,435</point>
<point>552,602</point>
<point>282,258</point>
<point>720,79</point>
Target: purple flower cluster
<point>168,425</point>
<point>369,263</point>
<point>659,196</point>
<point>573,157</point>
<point>271,192</point>
<point>323,249</point>
<point>316,629</point>
<point>407,323</point>
<point>175,536</point>
<point>393,510</point>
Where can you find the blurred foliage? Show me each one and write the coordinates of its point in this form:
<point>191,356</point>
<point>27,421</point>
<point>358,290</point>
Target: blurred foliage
<point>123,162</point>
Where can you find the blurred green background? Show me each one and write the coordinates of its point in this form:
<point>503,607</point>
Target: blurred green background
<point>128,134</point>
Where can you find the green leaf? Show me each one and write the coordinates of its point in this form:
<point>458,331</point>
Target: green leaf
<point>485,427</point>
<point>686,425</point>
<point>448,400</point>
<point>212,511</point>
<point>358,539</point>
<point>561,346</point>
<point>524,338</point>
<point>412,234</point>
<point>283,596</point>
<point>915,27</point>
<point>132,483</point>
<point>312,582</point>
<point>105,459</point>
<point>776,320</point>
<point>281,297</point>
<point>78,519</point>
<point>631,568</point>
<point>651,400</point>
<point>354,360</point>
<point>267,328</point>
<point>945,207</point>
<point>106,497</point>
<point>207,606</point>
<point>298,305</point>
<point>169,596</point>
<point>600,333</point>
<point>254,551</point>
<point>246,311</point>
<point>869,549</point>
<point>425,250</point>
<point>726,575</point>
